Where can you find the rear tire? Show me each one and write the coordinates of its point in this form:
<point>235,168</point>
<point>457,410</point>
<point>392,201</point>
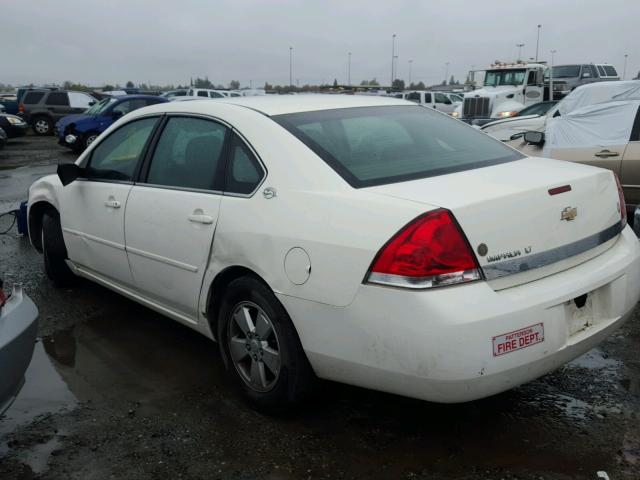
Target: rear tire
<point>269,344</point>
<point>42,125</point>
<point>55,252</point>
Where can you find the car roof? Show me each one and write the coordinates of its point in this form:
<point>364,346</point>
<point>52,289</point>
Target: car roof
<point>136,96</point>
<point>283,104</point>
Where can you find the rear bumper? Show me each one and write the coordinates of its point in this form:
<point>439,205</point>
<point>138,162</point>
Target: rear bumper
<point>439,345</point>
<point>18,330</point>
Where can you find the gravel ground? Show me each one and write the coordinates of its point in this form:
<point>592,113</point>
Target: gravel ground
<point>118,391</point>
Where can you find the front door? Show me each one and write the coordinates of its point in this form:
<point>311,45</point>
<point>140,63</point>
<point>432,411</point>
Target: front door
<point>172,213</point>
<point>534,90</point>
<point>92,208</point>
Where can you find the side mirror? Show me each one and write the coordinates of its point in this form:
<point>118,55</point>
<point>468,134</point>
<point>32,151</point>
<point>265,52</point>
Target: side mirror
<point>534,138</point>
<point>68,172</point>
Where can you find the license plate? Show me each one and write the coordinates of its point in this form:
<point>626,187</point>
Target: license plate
<point>518,339</point>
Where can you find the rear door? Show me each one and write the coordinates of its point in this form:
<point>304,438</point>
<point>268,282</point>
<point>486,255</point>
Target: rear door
<point>92,208</point>
<point>57,103</point>
<point>173,211</point>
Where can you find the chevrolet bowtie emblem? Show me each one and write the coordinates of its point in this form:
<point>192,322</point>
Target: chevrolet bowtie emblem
<point>569,213</point>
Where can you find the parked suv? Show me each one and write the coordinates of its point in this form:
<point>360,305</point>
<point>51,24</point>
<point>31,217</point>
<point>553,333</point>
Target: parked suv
<point>43,108</point>
<point>568,77</point>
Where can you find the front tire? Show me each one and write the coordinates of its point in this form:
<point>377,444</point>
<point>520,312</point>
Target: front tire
<point>262,348</point>
<point>55,252</point>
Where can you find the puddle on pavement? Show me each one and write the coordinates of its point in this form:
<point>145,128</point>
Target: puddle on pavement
<point>44,392</point>
<point>596,359</point>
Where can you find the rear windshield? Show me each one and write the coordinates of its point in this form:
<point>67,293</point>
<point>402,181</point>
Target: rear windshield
<point>378,145</point>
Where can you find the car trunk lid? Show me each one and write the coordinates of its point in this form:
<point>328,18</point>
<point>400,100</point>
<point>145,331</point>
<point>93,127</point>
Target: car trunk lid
<point>525,219</point>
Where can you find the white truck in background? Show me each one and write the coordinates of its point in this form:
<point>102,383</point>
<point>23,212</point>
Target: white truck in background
<point>507,89</point>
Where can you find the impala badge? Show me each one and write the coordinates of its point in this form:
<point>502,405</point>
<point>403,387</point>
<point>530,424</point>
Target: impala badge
<point>569,213</point>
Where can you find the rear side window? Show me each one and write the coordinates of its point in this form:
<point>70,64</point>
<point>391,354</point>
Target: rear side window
<point>116,157</point>
<point>33,97</point>
<point>414,97</point>
<point>202,93</point>
<point>243,172</point>
<point>57,98</point>
<point>427,98</point>
<point>80,100</point>
<point>610,71</point>
<point>601,71</point>
<point>378,145</point>
<point>189,154</point>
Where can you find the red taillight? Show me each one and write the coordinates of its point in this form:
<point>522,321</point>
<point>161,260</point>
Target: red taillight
<point>623,205</point>
<point>21,108</point>
<point>430,251</point>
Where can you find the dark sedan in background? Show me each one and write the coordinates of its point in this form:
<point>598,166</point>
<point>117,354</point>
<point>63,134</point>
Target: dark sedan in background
<point>13,125</point>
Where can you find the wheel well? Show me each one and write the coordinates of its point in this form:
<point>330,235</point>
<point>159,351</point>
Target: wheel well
<point>36,212</point>
<point>217,288</point>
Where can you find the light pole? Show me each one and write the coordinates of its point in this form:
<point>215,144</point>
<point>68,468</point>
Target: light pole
<point>624,70</point>
<point>393,57</point>
<point>410,63</point>
<point>538,41</point>
<point>553,52</point>
<point>446,72</point>
<point>349,70</point>
<point>291,66</point>
<point>519,45</point>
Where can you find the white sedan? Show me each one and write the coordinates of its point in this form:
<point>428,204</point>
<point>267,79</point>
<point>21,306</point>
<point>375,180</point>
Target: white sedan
<point>360,239</point>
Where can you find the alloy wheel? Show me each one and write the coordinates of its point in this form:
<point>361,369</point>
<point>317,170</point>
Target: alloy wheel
<point>42,126</point>
<point>253,346</point>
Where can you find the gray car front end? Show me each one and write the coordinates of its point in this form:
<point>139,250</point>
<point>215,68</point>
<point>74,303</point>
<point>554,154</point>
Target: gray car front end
<point>18,330</point>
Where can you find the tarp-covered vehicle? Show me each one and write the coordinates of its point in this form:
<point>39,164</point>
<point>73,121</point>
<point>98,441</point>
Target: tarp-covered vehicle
<point>604,135</point>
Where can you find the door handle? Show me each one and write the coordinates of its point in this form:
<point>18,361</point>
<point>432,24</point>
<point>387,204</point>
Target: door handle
<point>199,218</point>
<point>112,204</point>
<point>607,154</point>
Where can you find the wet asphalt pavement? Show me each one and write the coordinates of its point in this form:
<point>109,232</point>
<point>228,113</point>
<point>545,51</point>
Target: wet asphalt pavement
<point>118,391</point>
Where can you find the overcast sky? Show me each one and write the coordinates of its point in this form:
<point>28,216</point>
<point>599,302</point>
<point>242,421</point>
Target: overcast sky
<point>167,42</point>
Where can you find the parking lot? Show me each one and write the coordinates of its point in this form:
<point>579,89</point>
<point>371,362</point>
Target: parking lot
<point>116,390</point>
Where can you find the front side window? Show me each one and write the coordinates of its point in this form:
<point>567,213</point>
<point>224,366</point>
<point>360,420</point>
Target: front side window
<point>243,172</point>
<point>566,71</point>
<point>130,105</point>
<point>413,97</point>
<point>215,95</point>
<point>57,98</point>
<point>442,98</point>
<point>203,93</point>
<point>188,154</point>
<point>117,156</point>
<point>378,145</point>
